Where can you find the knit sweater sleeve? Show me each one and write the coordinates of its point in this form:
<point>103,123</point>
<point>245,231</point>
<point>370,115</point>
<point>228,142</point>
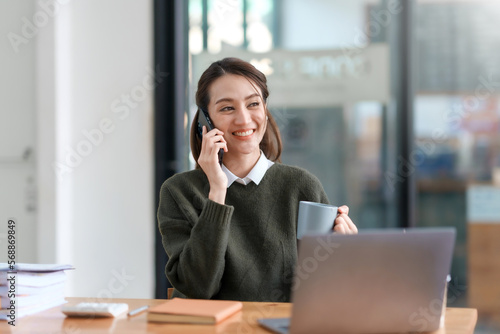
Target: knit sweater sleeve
<point>195,233</point>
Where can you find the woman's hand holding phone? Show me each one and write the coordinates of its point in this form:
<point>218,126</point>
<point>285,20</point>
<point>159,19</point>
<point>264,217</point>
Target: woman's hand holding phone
<point>211,143</point>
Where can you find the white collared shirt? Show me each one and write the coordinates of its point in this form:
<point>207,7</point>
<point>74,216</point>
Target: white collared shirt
<point>256,174</point>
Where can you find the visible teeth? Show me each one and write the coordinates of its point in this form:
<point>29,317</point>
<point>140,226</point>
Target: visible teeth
<point>242,134</point>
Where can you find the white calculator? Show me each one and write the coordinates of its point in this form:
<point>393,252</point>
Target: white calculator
<point>107,310</point>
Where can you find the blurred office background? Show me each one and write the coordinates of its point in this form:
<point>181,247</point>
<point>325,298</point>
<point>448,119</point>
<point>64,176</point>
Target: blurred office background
<point>394,105</point>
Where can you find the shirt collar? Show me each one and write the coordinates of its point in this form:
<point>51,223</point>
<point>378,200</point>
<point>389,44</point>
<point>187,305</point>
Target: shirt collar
<point>256,174</point>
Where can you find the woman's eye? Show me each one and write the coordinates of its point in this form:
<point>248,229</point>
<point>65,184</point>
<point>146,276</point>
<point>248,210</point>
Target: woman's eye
<point>254,104</point>
<point>226,108</point>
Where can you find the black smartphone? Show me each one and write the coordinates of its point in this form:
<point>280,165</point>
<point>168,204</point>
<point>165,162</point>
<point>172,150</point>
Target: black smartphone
<point>204,119</point>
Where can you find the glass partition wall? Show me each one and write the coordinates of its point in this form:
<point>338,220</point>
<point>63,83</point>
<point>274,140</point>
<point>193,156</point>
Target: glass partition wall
<point>457,133</point>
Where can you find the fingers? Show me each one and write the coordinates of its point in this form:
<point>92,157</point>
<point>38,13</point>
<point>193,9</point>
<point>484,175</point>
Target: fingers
<point>346,221</point>
<point>343,223</point>
<point>213,140</point>
<point>344,209</point>
<point>339,228</point>
<point>208,160</point>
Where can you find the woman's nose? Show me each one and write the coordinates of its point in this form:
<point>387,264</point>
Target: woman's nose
<point>242,115</point>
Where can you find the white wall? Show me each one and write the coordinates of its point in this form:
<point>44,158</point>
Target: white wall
<point>17,131</point>
<point>92,93</point>
<point>112,213</point>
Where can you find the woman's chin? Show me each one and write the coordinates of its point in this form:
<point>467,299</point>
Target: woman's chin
<point>241,151</point>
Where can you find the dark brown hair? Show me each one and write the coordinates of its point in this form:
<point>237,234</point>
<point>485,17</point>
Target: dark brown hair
<point>271,142</point>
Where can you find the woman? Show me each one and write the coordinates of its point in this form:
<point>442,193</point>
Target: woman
<point>230,230</point>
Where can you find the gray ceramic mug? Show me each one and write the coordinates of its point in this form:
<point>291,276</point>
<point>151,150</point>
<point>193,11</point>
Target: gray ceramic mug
<point>315,218</point>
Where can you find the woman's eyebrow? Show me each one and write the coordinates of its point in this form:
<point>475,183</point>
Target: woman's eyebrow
<point>224,99</point>
<point>253,95</point>
<point>227,99</point>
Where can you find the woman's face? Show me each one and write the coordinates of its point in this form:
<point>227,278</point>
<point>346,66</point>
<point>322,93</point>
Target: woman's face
<point>236,108</point>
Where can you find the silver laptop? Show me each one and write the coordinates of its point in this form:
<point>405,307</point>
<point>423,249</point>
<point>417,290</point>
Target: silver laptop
<point>379,281</point>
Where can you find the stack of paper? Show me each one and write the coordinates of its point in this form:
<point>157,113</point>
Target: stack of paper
<point>30,288</point>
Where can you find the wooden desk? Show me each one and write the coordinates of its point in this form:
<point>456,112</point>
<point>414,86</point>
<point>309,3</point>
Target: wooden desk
<point>458,321</point>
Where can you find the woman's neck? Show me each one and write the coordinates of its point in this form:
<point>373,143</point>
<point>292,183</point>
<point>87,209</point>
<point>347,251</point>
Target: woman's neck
<point>242,164</point>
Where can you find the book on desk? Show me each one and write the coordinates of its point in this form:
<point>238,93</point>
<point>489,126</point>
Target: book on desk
<point>193,311</point>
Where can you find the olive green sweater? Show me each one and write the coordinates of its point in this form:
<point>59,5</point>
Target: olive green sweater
<point>243,250</point>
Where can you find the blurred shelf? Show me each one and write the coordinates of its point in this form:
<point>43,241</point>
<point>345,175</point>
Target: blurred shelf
<point>484,267</point>
<point>441,185</point>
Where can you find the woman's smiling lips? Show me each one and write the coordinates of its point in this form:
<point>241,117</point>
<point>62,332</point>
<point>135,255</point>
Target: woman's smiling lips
<point>243,134</point>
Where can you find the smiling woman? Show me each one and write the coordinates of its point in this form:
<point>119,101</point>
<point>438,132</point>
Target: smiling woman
<point>231,73</point>
<point>239,112</point>
<point>230,230</point>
